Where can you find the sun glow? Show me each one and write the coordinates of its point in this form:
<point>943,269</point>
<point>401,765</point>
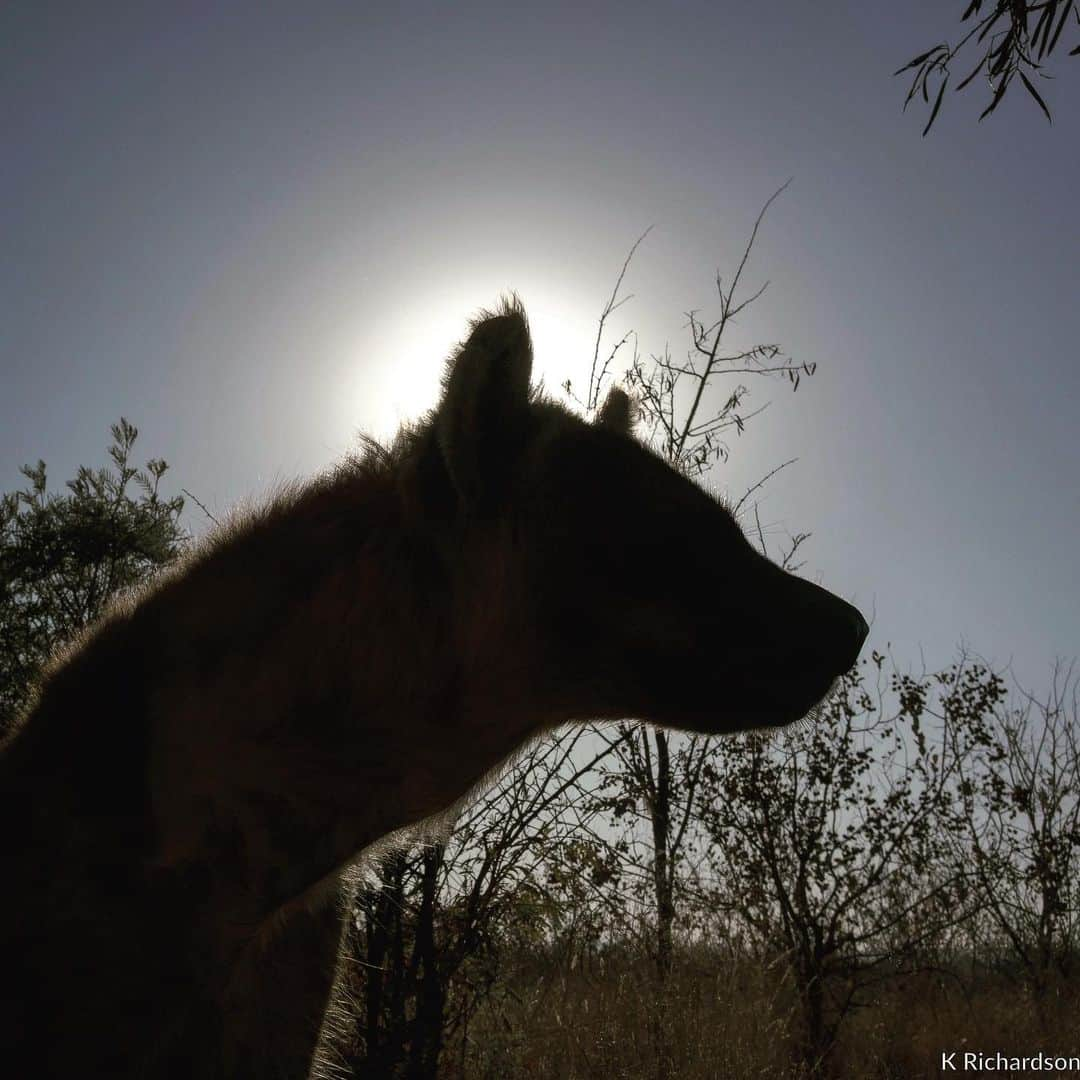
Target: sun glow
<point>395,376</point>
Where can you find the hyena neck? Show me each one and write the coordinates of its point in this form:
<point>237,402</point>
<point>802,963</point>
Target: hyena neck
<point>204,760</point>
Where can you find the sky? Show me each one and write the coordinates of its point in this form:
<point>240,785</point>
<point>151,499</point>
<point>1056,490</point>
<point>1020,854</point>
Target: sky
<point>257,229</point>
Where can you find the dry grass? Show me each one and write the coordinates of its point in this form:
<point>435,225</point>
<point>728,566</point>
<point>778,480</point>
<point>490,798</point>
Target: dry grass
<point>905,1032</point>
<point>607,1022</point>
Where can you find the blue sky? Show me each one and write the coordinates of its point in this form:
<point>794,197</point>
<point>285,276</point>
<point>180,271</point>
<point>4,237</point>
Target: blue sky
<point>256,229</point>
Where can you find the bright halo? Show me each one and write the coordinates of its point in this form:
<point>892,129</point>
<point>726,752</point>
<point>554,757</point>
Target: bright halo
<point>399,378</point>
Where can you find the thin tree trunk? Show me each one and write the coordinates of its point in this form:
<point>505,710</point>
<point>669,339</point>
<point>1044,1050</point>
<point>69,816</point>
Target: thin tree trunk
<point>662,876</point>
<point>427,1038</point>
<point>665,906</point>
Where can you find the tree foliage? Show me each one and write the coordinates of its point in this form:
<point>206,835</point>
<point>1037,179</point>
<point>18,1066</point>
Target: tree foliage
<point>439,924</point>
<point>1017,805</point>
<point>658,772</point>
<point>62,556</point>
<point>828,839</point>
<point>1016,37</point>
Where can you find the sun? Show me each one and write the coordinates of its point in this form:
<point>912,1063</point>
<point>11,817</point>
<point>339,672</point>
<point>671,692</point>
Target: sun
<point>564,339</point>
<point>395,375</point>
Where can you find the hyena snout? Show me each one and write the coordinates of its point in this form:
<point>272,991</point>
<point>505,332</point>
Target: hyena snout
<point>821,638</point>
<point>834,630</point>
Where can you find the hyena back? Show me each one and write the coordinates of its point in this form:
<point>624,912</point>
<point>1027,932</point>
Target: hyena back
<point>198,772</point>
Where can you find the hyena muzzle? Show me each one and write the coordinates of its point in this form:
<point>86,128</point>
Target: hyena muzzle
<point>181,804</point>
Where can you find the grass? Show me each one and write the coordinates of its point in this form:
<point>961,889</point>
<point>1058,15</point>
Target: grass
<point>726,1018</point>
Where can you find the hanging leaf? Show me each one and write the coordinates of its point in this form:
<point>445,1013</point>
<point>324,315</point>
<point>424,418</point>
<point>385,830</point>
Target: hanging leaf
<point>937,105</point>
<point>1035,94</point>
<point>1042,27</point>
<point>990,22</point>
<point>1002,59</point>
<point>1019,6</point>
<point>999,93</point>
<point>1060,27</point>
<point>978,68</point>
<point>911,92</point>
<point>918,60</point>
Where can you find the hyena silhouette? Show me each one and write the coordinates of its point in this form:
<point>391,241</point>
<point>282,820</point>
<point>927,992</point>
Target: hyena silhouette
<point>182,805</point>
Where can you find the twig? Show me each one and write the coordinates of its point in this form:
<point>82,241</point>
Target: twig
<point>609,307</point>
<point>199,504</point>
<point>750,491</point>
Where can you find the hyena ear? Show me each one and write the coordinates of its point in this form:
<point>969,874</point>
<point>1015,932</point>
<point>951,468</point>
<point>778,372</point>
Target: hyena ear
<point>485,398</point>
<point>617,412</point>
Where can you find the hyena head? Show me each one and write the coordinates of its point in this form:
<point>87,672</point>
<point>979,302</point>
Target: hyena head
<point>643,596</point>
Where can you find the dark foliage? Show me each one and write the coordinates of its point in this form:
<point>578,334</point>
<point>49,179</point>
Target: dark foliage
<point>1016,37</point>
<point>62,556</point>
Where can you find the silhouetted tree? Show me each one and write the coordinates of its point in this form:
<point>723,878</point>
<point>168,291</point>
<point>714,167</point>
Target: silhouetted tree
<point>433,929</point>
<point>655,782</point>
<point>1016,37</point>
<point>830,839</point>
<point>658,773</point>
<point>1017,797</point>
<point>63,556</point>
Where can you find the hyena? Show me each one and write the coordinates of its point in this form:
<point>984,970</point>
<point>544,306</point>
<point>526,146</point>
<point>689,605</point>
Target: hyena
<point>185,800</point>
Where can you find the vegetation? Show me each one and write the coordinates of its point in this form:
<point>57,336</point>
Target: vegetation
<point>895,878</point>
<point>1016,37</point>
<point>850,902</point>
<point>62,556</point>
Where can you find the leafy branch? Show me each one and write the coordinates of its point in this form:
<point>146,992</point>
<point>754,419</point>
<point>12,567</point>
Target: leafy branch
<point>1015,49</point>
